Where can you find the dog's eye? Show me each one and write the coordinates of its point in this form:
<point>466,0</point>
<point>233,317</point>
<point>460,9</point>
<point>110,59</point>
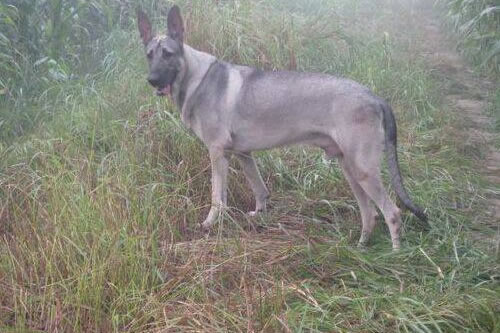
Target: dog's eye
<point>166,54</point>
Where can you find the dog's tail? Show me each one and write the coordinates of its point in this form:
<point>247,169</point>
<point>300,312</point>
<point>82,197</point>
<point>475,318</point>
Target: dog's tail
<point>393,164</point>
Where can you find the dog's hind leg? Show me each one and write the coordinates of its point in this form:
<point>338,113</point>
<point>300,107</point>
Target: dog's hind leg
<point>219,163</point>
<point>392,215</point>
<point>362,155</point>
<point>368,212</point>
<point>366,172</point>
<point>254,178</point>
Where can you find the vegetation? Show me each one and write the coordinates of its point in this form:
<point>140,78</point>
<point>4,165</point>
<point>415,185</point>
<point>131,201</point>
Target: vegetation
<point>101,187</point>
<point>477,23</point>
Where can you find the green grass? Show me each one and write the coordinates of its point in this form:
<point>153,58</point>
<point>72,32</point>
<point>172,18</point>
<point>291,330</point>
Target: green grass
<point>477,26</point>
<point>100,196</point>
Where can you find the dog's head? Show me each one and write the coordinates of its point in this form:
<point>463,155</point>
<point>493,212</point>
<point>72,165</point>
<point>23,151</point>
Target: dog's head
<point>165,53</point>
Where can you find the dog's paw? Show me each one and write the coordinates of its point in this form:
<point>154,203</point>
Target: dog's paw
<point>206,225</point>
<point>256,212</point>
<point>362,245</point>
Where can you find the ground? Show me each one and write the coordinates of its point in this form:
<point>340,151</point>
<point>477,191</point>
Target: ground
<point>467,94</point>
<point>479,133</point>
<point>102,196</point>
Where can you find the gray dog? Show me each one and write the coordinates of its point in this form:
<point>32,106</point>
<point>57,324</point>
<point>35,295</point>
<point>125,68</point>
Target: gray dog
<point>238,109</point>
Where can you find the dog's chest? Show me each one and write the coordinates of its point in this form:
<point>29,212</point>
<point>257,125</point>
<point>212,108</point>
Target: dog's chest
<point>192,123</point>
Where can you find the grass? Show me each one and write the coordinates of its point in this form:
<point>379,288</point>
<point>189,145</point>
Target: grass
<point>477,24</point>
<point>495,113</point>
<point>101,195</point>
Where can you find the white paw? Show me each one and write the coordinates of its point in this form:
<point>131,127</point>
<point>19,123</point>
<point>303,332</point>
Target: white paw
<point>207,224</point>
<point>253,213</point>
<point>256,212</point>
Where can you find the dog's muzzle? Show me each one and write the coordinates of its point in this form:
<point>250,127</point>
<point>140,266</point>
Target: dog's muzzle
<point>163,83</point>
<point>165,91</point>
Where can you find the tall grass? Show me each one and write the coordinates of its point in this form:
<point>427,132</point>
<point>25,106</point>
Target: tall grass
<point>100,197</point>
<point>478,26</point>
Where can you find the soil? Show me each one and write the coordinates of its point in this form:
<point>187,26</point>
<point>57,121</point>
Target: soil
<point>466,93</point>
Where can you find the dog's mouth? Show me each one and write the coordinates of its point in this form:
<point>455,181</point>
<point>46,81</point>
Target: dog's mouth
<point>165,91</point>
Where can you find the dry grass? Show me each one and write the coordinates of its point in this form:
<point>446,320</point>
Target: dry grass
<point>101,200</point>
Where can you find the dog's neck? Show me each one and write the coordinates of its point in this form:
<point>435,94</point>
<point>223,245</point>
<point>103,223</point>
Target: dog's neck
<point>197,64</point>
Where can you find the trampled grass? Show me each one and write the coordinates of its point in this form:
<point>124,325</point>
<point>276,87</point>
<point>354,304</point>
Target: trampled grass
<point>102,193</point>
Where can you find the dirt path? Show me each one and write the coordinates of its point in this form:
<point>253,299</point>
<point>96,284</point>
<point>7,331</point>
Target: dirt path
<point>466,94</point>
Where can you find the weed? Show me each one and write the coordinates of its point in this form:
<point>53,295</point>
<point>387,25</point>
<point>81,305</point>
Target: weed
<point>101,190</point>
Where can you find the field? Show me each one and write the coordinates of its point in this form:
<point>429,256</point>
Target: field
<point>102,189</point>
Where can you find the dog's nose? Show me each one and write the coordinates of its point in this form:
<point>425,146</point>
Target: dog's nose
<point>154,80</point>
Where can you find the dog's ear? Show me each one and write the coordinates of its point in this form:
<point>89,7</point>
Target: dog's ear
<point>144,27</point>
<point>175,25</point>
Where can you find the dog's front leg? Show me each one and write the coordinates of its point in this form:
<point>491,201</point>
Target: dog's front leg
<point>219,162</point>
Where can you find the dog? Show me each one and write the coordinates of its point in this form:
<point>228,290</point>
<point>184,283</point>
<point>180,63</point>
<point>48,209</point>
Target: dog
<point>236,110</point>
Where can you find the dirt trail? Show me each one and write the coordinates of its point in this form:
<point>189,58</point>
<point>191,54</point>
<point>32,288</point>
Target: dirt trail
<point>467,94</point>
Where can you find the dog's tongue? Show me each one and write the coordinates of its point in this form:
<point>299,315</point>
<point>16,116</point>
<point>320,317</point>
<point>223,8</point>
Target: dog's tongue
<point>163,91</point>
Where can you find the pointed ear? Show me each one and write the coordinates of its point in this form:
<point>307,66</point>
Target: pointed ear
<point>175,25</point>
<point>144,27</point>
